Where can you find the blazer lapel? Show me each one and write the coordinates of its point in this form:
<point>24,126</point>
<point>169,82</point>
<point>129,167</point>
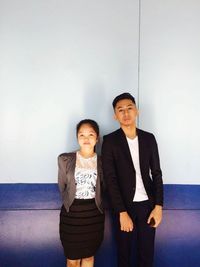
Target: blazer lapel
<point>70,167</point>
<point>142,149</point>
<point>124,145</point>
<point>141,146</point>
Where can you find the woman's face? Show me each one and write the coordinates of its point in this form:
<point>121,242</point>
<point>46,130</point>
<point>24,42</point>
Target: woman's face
<point>87,137</point>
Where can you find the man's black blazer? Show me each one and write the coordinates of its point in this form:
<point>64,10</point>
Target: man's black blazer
<point>119,171</point>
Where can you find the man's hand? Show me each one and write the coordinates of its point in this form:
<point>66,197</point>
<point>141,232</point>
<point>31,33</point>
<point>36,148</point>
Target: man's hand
<point>156,214</point>
<point>126,222</point>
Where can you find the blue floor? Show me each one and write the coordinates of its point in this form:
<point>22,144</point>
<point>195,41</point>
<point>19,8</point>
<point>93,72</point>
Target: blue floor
<point>29,217</point>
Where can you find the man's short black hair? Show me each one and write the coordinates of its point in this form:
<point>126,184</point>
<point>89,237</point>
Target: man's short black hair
<point>121,97</point>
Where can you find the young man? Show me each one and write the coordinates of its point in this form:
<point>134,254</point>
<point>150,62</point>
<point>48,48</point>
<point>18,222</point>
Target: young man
<point>134,180</point>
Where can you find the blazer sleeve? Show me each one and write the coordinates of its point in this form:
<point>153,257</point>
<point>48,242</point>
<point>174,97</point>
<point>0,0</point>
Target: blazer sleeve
<point>156,173</point>
<point>61,176</point>
<point>110,177</point>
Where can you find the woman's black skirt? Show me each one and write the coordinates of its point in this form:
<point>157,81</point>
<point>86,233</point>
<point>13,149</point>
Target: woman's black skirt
<point>81,229</point>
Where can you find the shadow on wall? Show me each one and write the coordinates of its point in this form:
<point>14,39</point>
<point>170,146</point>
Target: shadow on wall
<point>98,105</point>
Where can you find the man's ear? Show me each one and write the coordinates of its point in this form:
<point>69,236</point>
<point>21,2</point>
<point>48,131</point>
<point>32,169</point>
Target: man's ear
<point>114,117</point>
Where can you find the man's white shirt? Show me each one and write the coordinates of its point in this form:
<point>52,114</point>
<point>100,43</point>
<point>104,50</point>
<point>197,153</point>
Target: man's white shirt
<point>140,192</point>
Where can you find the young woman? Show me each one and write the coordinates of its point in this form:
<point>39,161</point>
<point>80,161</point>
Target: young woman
<point>80,184</point>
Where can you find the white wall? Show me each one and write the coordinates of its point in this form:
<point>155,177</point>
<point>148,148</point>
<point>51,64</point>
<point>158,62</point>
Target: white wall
<point>170,84</point>
<point>60,61</point>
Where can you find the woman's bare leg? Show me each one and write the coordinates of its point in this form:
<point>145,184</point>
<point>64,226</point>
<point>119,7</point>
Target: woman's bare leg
<point>73,263</point>
<point>87,262</point>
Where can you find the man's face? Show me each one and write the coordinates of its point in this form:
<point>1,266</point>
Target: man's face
<point>126,112</point>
